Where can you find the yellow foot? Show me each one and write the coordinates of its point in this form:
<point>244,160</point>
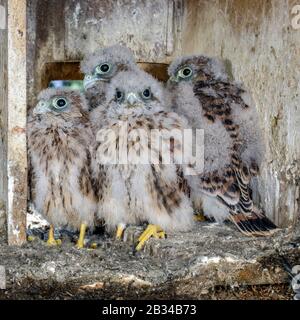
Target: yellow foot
<point>120,230</point>
<point>30,238</point>
<point>51,240</point>
<point>79,245</point>
<point>199,217</point>
<point>93,245</point>
<point>80,242</point>
<point>151,231</point>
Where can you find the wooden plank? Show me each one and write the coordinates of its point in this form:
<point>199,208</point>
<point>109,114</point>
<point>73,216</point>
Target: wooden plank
<point>16,123</point>
<point>66,30</point>
<point>3,114</point>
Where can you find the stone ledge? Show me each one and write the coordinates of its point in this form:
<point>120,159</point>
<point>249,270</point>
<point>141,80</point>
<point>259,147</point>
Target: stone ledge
<point>185,265</point>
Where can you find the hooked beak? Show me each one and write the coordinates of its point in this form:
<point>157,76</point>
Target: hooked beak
<point>89,80</point>
<point>131,99</point>
<point>172,80</point>
<point>39,109</point>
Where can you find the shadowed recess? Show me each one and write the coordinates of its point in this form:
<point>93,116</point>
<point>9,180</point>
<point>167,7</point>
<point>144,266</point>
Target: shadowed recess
<point>71,71</point>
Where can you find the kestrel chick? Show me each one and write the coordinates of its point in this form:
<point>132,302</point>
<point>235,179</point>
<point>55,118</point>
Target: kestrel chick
<point>100,67</point>
<point>234,149</point>
<point>59,138</point>
<point>139,189</point>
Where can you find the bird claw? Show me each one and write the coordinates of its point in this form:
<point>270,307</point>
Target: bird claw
<point>199,216</point>
<point>151,231</point>
<point>79,244</point>
<point>31,238</point>
<point>120,230</point>
<point>93,245</point>
<point>53,242</point>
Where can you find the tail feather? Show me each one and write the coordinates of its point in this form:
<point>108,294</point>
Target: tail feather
<point>237,198</point>
<point>246,216</point>
<point>254,224</point>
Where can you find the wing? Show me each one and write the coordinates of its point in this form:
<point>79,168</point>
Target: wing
<point>95,95</point>
<point>228,181</point>
<point>230,103</point>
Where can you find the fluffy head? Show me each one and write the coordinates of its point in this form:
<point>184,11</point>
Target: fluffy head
<point>196,68</point>
<point>134,93</point>
<point>105,63</point>
<point>60,105</point>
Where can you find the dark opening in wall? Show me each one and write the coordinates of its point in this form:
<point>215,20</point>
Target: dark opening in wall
<point>157,70</point>
<point>71,71</point>
<point>60,71</point>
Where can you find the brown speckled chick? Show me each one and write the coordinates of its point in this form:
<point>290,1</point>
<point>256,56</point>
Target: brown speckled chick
<point>59,138</point>
<point>138,189</point>
<point>234,149</point>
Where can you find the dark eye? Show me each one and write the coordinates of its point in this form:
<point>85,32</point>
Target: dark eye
<point>185,72</point>
<point>119,95</point>
<point>60,103</point>
<point>146,93</point>
<point>102,68</point>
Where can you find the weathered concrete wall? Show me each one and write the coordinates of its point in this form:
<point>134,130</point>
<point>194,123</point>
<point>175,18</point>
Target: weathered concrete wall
<point>3,114</point>
<point>258,38</point>
<point>65,30</point>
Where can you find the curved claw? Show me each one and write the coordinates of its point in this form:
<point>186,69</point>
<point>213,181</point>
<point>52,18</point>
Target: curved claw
<point>30,238</point>
<point>51,240</point>
<point>151,231</point>
<point>93,245</point>
<point>199,216</point>
<point>120,230</point>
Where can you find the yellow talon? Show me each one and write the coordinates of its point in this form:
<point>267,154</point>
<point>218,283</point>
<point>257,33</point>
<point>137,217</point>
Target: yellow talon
<point>80,242</point>
<point>30,238</point>
<point>199,216</point>
<point>93,245</point>
<point>51,240</point>
<point>151,230</point>
<point>120,230</point>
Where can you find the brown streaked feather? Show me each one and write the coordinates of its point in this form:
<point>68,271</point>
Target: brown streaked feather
<point>58,145</point>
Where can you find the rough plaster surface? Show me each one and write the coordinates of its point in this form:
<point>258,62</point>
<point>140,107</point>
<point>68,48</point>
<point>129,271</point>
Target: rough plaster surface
<point>185,265</point>
<point>65,30</point>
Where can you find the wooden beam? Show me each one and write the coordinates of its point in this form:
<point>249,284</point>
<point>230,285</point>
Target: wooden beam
<point>16,123</point>
<point>3,114</point>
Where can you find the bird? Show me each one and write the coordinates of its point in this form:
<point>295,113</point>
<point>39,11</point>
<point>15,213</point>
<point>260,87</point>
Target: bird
<point>202,91</point>
<point>131,189</point>
<point>59,140</point>
<point>100,67</point>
